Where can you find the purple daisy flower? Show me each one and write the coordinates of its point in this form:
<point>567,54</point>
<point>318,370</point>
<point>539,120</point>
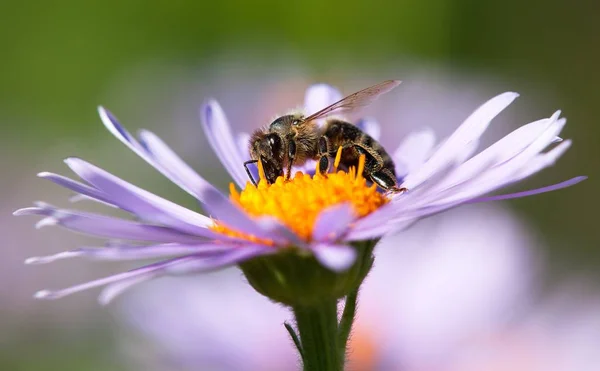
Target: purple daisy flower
<point>256,224</point>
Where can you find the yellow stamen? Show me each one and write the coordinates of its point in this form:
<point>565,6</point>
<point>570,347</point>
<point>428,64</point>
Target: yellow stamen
<point>338,158</point>
<point>298,201</point>
<point>361,166</point>
<point>261,170</point>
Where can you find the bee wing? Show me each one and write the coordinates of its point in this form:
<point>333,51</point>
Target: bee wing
<point>353,101</point>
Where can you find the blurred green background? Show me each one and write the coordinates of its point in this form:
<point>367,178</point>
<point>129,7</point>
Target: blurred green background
<point>60,59</point>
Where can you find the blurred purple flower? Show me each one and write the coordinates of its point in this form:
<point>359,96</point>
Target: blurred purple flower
<point>438,178</point>
<point>213,321</point>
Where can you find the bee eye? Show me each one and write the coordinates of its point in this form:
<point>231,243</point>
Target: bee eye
<point>275,143</point>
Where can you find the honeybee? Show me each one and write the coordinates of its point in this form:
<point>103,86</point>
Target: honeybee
<point>293,139</point>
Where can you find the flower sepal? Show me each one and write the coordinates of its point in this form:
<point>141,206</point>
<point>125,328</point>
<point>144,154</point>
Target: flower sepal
<point>296,278</point>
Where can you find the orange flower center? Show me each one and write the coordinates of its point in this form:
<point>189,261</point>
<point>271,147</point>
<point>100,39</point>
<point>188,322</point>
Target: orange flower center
<point>297,202</point>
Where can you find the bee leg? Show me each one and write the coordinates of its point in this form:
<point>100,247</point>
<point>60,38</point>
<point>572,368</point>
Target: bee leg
<point>323,156</point>
<point>373,162</point>
<point>323,165</point>
<point>248,170</point>
<point>291,158</point>
<point>375,171</point>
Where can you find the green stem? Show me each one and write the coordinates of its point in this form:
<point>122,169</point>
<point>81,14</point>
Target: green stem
<point>318,329</point>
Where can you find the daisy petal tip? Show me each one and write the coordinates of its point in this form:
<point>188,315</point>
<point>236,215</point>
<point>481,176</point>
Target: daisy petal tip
<point>72,161</point>
<point>206,112</point>
<point>504,99</point>
<point>33,260</point>
<point>107,117</point>
<point>208,107</point>
<point>24,211</point>
<point>46,295</point>
<point>46,222</point>
<point>112,124</point>
<point>36,260</point>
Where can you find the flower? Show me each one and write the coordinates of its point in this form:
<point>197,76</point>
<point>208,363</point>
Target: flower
<point>327,244</point>
<point>464,297</point>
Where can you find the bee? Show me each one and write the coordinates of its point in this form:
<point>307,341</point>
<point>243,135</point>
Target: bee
<point>295,138</point>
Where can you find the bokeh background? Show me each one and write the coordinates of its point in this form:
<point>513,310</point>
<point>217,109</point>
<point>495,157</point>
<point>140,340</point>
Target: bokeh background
<point>152,63</point>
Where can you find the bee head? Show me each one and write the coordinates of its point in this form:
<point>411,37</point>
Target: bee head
<point>268,148</point>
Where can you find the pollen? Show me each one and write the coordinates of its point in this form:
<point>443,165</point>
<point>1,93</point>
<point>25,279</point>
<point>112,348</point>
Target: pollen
<point>297,202</point>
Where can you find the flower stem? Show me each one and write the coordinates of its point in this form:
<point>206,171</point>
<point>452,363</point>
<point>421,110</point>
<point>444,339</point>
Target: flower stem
<point>318,329</point>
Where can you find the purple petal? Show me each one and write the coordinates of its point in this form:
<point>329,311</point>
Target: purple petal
<point>531,192</point>
<point>506,149</point>
<point>176,169</point>
<point>333,222</point>
<point>217,130</point>
<point>371,127</point>
<point>184,265</point>
<point>156,153</point>
<point>379,231</point>
<point>377,217</point>
<point>235,218</point>
<point>190,266</point>
<point>232,257</point>
<point>543,160</point>
<point>319,96</point>
<point>80,197</point>
<point>483,186</point>
<point>413,151</point>
<point>521,166</point>
<point>338,258</point>
<point>378,224</point>
<point>279,232</point>
<point>242,141</point>
<point>214,201</point>
<point>148,271</point>
<point>78,187</point>
<point>468,132</point>
<point>144,204</point>
<point>113,290</point>
<point>111,227</point>
<point>125,252</point>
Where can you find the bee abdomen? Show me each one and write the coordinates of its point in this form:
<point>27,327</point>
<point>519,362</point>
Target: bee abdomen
<point>340,132</point>
<point>388,163</point>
